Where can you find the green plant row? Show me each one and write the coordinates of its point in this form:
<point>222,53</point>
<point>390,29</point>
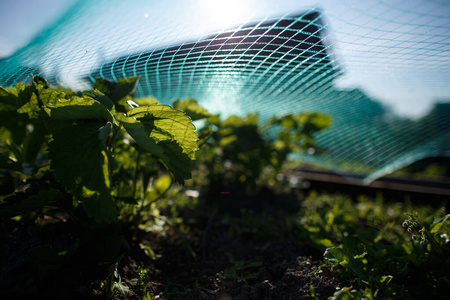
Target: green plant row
<point>243,152</point>
<point>97,144</point>
<point>385,251</point>
<point>106,161</point>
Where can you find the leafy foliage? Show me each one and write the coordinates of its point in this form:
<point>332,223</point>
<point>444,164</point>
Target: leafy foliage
<point>101,156</point>
<point>241,151</point>
<point>82,164</point>
<point>74,137</point>
<point>166,133</point>
<point>367,242</point>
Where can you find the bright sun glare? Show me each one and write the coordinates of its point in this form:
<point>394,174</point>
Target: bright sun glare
<point>224,13</point>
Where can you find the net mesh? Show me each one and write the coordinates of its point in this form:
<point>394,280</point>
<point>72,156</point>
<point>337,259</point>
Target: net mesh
<point>381,69</point>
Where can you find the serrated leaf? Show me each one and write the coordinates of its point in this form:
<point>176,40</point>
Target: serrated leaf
<point>166,133</point>
<point>103,85</point>
<point>31,108</point>
<point>24,92</point>
<point>192,109</point>
<point>165,123</point>
<point>123,87</point>
<point>169,151</point>
<point>100,97</point>
<point>34,107</point>
<point>78,108</point>
<point>116,90</point>
<point>81,163</point>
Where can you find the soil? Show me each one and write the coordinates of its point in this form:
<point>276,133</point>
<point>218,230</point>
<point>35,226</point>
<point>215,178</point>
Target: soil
<point>210,261</point>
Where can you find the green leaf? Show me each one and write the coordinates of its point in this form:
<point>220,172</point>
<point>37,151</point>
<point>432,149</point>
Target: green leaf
<point>313,122</point>
<point>100,97</point>
<point>103,85</point>
<point>160,186</point>
<point>225,141</point>
<point>116,90</point>
<point>38,99</point>
<point>345,259</point>
<point>23,92</point>
<point>78,108</point>
<point>203,136</point>
<point>192,109</point>
<point>439,223</point>
<point>166,133</point>
<point>288,122</point>
<point>148,250</point>
<point>39,81</point>
<point>104,132</point>
<point>324,242</point>
<point>99,204</point>
<point>236,121</point>
<point>122,287</point>
<point>8,99</point>
<point>31,108</point>
<point>81,163</point>
<point>167,124</point>
<point>214,120</point>
<point>12,127</point>
<point>146,101</point>
<point>8,163</point>
<point>21,203</point>
<point>16,151</point>
<point>125,104</point>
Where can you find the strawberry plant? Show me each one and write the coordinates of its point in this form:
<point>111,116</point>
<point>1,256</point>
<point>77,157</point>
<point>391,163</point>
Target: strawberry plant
<point>72,150</point>
<point>242,153</point>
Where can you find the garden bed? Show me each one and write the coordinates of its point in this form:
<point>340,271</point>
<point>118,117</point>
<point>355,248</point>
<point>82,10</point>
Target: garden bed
<point>274,250</point>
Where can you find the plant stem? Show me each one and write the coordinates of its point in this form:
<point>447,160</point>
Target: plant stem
<point>136,173</point>
<point>112,141</point>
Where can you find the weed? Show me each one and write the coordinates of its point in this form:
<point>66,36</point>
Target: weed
<point>241,271</point>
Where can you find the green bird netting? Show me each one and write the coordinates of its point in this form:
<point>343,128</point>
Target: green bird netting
<point>381,69</point>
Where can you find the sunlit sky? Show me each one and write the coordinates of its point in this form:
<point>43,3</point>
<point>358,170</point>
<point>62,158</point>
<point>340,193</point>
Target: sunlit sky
<point>21,20</point>
<point>357,32</point>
